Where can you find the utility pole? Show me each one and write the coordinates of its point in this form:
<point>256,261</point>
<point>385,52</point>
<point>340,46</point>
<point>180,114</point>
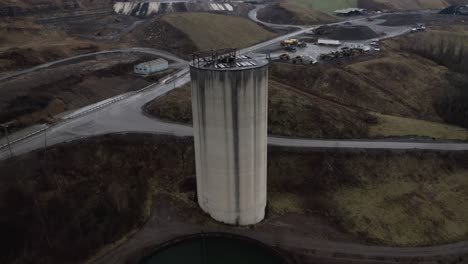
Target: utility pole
<point>5,127</point>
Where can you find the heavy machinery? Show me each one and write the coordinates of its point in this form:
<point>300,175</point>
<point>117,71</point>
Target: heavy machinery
<point>345,52</point>
<point>290,42</point>
<point>304,60</point>
<point>329,56</point>
<point>290,48</point>
<point>301,44</point>
<point>285,56</point>
<point>297,59</point>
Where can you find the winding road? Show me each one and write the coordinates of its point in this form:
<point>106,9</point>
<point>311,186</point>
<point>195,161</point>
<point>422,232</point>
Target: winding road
<point>150,51</point>
<point>125,116</point>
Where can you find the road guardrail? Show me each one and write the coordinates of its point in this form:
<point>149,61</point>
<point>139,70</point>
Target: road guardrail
<point>97,107</point>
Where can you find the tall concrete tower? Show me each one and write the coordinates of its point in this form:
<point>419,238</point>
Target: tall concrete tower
<point>229,103</point>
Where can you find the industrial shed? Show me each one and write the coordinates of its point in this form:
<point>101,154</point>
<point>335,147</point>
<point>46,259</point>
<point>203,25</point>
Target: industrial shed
<point>151,66</point>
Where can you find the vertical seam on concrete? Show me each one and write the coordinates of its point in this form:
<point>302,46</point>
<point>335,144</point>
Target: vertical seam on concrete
<point>226,118</point>
<point>256,123</point>
<point>235,124</point>
<point>202,133</point>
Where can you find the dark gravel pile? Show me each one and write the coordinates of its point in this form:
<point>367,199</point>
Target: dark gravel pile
<point>347,32</point>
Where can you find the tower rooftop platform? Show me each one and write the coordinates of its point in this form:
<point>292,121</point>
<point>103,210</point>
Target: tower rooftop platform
<point>225,59</point>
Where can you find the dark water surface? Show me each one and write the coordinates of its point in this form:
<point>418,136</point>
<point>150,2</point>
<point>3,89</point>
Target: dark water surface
<point>214,250</point>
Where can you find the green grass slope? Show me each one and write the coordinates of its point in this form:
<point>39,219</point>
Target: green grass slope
<point>326,5</point>
<point>212,31</point>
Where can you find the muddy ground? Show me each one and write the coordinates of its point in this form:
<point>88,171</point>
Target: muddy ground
<point>39,95</point>
<point>99,189</point>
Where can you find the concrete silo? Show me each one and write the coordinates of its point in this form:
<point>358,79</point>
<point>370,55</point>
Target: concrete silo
<point>229,103</point>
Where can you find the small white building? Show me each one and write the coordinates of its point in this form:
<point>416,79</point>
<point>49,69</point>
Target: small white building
<point>328,42</point>
<point>151,66</point>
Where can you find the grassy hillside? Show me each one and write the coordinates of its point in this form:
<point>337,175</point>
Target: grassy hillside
<point>54,4</point>
<point>393,85</point>
<point>407,203</point>
<point>448,46</point>
<point>66,211</point>
<point>395,95</point>
<point>412,4</point>
<point>330,6</point>
<point>24,43</point>
<point>294,14</point>
<point>290,113</point>
<point>400,93</point>
<point>403,199</point>
<point>38,96</point>
<point>388,125</point>
<point>211,31</point>
<point>326,5</point>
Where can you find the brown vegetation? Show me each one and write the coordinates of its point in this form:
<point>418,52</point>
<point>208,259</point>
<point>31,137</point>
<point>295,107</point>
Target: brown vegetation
<point>290,113</point>
<point>293,14</point>
<point>353,100</point>
<point>404,199</point>
<point>407,4</point>
<point>70,201</point>
<point>38,96</point>
<point>185,33</point>
<point>162,35</point>
<point>448,46</point>
<point>63,205</point>
<point>24,43</point>
<point>395,85</point>
<point>175,106</point>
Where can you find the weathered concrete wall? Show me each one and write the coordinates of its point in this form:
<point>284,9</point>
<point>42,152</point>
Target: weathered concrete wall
<point>230,128</point>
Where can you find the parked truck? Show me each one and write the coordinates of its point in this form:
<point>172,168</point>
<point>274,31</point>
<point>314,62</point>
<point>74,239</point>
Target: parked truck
<point>304,60</point>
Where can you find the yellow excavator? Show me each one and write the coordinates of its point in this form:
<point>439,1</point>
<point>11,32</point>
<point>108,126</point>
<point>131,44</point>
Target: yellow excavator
<point>290,42</point>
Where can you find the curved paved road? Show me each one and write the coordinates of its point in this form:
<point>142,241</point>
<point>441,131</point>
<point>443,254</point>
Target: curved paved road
<point>158,230</point>
<point>126,115</point>
<point>155,52</point>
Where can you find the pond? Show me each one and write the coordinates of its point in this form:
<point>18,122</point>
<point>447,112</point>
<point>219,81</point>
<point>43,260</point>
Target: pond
<point>213,248</point>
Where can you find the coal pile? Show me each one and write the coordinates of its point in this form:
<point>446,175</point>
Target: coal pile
<point>347,32</point>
